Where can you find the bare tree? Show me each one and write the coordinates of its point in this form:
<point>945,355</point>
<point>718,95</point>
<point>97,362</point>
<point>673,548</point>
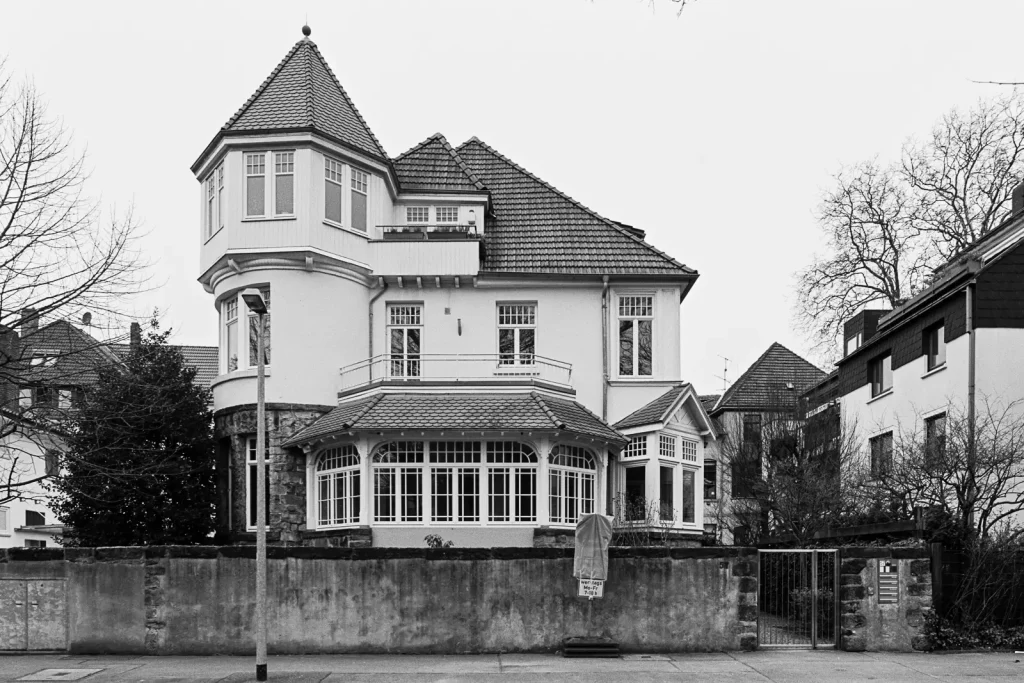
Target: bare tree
<point>888,227</point>
<point>59,256</point>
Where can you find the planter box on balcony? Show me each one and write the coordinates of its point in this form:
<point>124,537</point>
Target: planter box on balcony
<point>447,235</point>
<point>405,236</point>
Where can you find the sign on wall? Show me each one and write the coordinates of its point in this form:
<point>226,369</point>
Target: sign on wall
<point>591,588</point>
<point>888,582</point>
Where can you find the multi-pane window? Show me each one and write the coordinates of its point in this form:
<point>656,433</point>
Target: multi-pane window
<point>935,346</point>
<point>666,483</point>
<point>636,493</point>
<point>935,440</point>
<point>688,450</point>
<point>337,485</point>
<point>211,204</point>
<point>636,317</point>
<point>880,374</point>
<point>254,330</point>
<point>710,480</point>
<point>230,312</point>
<point>255,184</point>
<point>284,183</point>
<point>447,214</point>
<point>360,185</point>
<point>881,454</point>
<point>405,329</point>
<point>417,214</point>
<point>637,448</point>
<point>511,482</point>
<point>667,446</point>
<point>332,190</point>
<point>570,483</point>
<point>455,481</point>
<point>220,196</point>
<point>398,482</point>
<point>517,334</point>
<point>251,484</point>
<point>853,343</point>
<point>689,505</point>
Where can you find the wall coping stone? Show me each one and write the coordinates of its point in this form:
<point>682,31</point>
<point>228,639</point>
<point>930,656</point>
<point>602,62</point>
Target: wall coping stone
<point>275,406</point>
<point>872,552</point>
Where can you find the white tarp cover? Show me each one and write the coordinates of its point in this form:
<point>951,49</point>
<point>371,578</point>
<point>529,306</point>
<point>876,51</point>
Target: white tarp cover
<point>593,534</point>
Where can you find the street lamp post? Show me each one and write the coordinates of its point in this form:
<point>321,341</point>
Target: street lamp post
<point>254,300</point>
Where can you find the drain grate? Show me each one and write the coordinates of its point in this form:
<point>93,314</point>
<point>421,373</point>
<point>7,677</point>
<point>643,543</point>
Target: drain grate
<point>590,647</point>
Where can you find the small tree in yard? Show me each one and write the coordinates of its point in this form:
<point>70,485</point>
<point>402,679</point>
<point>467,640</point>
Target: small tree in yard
<point>139,464</point>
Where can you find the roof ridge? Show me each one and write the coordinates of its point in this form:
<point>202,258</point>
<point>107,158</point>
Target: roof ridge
<point>445,145</point>
<point>348,100</point>
<point>310,105</point>
<point>547,411</point>
<point>418,146</point>
<point>732,390</point>
<point>262,86</point>
<point>607,221</point>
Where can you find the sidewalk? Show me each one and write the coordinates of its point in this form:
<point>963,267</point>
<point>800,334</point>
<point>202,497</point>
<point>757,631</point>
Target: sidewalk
<point>779,665</point>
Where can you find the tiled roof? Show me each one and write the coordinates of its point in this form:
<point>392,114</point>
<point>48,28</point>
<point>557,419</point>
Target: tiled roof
<point>302,93</point>
<point>79,356</point>
<point>434,165</point>
<point>538,229</point>
<point>654,411</point>
<point>764,386</point>
<point>709,401</point>
<point>479,412</point>
<point>205,359</point>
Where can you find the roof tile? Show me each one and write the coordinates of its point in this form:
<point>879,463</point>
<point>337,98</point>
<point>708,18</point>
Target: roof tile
<point>765,384</point>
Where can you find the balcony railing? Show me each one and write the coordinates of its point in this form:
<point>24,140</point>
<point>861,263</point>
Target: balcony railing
<point>460,368</point>
<point>423,231</point>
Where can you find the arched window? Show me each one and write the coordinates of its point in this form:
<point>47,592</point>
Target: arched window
<point>511,482</point>
<point>337,485</point>
<point>571,483</point>
<point>398,482</point>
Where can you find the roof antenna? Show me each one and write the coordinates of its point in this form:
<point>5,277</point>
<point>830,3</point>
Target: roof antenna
<point>725,373</point>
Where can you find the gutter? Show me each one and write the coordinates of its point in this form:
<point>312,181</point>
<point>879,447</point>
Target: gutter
<point>604,349</point>
<point>383,288</point>
<point>971,388</point>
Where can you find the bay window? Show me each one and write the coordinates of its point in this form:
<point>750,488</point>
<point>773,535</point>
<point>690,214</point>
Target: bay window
<point>517,334</point>
<point>636,318</point>
<point>337,486</point>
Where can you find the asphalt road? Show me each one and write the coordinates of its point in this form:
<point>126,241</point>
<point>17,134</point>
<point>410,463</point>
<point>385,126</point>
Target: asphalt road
<point>780,666</point>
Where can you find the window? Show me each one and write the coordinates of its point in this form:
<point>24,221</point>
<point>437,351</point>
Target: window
<point>46,397</point>
<point>935,440</point>
<point>250,483</point>
<point>689,505</point>
<point>220,196</point>
<point>636,493</point>
<point>5,521</point>
<point>455,468</point>
<point>667,446</point>
<point>881,454</point>
<point>64,398</point>
<point>46,358</point>
<point>746,468</point>
<point>853,343</point>
<point>332,190</point>
<point>689,450</point>
<point>880,374</point>
<point>517,334</point>
<point>254,332</point>
<point>32,543</point>
<point>935,346</point>
<point>360,183</point>
<point>710,480</point>
<point>211,204</point>
<point>33,518</point>
<point>512,482</point>
<point>25,397</point>
<point>417,214</point>
<point>667,486</point>
<point>229,309</point>
<point>398,482</point>
<point>447,214</point>
<point>255,184</point>
<point>636,315</point>
<point>284,183</point>
<point>570,483</point>
<point>405,328</point>
<point>637,448</point>
<point>337,485</point>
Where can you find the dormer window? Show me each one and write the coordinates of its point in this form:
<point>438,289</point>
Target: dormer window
<point>360,185</point>
<point>417,214</point>
<point>447,214</point>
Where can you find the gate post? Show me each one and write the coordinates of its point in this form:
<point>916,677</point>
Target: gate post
<point>814,599</point>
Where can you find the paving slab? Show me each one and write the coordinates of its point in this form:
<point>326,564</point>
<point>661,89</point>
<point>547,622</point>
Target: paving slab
<point>531,663</point>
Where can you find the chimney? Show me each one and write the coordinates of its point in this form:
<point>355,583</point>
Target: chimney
<point>29,321</point>
<point>1017,200</point>
<point>136,336</point>
<point>87,319</point>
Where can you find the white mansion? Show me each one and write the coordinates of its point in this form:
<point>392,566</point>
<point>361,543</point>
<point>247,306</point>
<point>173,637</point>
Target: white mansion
<point>458,348</point>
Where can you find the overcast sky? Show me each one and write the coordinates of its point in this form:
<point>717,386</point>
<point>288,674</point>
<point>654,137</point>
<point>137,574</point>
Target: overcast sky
<point>715,131</point>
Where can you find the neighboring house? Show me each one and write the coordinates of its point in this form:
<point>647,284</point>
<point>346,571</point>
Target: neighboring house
<point>955,348</point>
<point>767,392</point>
<point>452,335</point>
<point>46,372</point>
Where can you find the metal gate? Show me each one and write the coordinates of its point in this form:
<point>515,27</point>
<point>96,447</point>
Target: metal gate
<point>798,598</point>
<point>32,614</point>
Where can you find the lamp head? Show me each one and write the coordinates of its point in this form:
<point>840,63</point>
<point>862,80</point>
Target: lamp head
<point>254,300</point>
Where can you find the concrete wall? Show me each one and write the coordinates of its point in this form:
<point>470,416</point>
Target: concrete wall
<point>200,600</point>
<point>868,625</point>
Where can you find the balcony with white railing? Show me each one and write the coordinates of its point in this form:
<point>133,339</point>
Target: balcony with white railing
<point>430,250</point>
<point>430,370</point>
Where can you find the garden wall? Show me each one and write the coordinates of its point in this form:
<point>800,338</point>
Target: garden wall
<point>200,600</point>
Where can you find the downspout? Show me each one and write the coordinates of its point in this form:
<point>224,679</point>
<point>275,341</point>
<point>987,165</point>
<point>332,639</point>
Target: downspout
<point>383,288</point>
<point>604,348</point>
<point>971,420</point>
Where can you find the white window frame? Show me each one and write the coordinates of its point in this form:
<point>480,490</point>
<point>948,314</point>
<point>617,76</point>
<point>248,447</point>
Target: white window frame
<point>446,214</point>
<point>285,161</point>
<point>688,449</point>
<point>334,174</point>
<point>220,197</point>
<point>404,316</point>
<point>886,381</point>
<point>671,516</point>
<point>630,308</point>
<point>510,465</point>
<point>565,509</point>
<point>229,317</point>
<point>256,160</point>
<point>210,213</point>
<point>697,475</point>
<point>242,351</point>
<point>517,316</point>
<point>411,461</point>
<point>667,446</point>
<point>269,175</point>
<point>636,448</point>
<point>250,481</point>
<point>417,215</point>
<point>940,355</point>
<point>252,326</point>
<point>704,474</point>
<point>338,471</point>
<point>359,181</point>
<point>5,520</point>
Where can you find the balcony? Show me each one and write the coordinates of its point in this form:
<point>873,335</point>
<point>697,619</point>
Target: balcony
<point>429,370</point>
<point>422,231</point>
<point>427,250</point>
